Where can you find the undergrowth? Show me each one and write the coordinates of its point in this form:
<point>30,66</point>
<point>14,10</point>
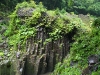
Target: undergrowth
<point>85,43</point>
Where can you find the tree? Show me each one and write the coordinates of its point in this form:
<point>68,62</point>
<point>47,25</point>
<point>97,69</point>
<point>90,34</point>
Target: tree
<point>94,9</point>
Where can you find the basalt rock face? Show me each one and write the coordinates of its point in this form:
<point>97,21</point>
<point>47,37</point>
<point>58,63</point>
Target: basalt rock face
<point>42,57</point>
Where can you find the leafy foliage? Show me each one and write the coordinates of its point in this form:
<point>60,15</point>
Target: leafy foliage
<point>57,23</point>
<point>85,43</point>
<point>53,4</point>
<point>77,6</point>
<point>94,8</point>
<point>54,22</point>
<point>9,4</point>
<point>65,68</point>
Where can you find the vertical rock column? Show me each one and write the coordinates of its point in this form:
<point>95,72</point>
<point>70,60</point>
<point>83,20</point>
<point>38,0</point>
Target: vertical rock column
<point>42,56</point>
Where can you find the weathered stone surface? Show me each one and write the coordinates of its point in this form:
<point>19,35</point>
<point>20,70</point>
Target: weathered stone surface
<point>42,57</point>
<point>28,11</point>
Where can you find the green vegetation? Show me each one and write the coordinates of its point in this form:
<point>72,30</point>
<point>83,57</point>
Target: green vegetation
<point>54,21</point>
<point>77,6</point>
<point>58,23</point>
<point>86,43</point>
<point>9,4</point>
